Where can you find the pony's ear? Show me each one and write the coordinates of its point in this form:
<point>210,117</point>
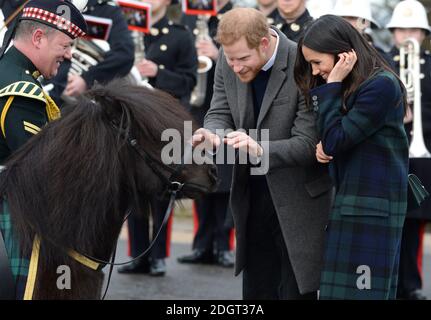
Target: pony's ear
<point>109,106</point>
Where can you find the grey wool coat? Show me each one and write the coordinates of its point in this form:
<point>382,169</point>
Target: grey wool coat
<point>300,188</point>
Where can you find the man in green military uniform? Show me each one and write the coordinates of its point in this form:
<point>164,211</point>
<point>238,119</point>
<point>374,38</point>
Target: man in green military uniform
<point>42,40</point>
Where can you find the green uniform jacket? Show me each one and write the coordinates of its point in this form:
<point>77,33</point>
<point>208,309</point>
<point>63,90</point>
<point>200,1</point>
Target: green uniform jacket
<point>23,103</point>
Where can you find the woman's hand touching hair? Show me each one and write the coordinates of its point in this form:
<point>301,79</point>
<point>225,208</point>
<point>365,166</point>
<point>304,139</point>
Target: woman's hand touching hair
<point>343,67</point>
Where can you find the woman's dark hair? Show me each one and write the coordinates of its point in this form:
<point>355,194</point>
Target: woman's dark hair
<point>332,34</point>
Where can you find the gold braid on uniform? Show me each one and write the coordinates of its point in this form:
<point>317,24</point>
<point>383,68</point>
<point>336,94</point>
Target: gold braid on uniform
<point>52,110</point>
<point>31,90</point>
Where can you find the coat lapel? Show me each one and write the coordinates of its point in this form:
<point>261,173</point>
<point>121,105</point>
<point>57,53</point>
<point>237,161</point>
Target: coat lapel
<point>276,79</point>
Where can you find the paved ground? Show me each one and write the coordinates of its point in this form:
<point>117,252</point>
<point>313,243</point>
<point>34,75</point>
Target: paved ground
<point>196,282</point>
<point>182,282</point>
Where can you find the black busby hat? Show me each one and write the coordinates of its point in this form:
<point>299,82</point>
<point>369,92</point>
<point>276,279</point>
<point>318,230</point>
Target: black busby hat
<point>59,14</point>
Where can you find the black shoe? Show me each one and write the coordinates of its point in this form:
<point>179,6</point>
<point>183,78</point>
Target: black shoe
<point>157,267</point>
<point>138,266</point>
<point>415,295</point>
<point>225,259</point>
<point>198,256</point>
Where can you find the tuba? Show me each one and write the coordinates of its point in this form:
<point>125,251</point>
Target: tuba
<point>411,76</point>
<point>204,65</point>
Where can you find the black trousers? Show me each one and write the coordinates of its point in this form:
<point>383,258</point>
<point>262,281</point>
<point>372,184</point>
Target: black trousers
<point>140,231</point>
<point>268,273</point>
<point>409,277</point>
<point>212,232</point>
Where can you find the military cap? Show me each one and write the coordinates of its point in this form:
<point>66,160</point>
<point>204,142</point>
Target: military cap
<point>62,15</point>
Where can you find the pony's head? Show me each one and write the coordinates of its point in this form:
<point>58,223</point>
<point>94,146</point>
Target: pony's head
<point>148,125</point>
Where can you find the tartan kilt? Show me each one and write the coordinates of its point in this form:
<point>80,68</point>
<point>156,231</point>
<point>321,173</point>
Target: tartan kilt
<point>361,240</point>
<point>19,264</point>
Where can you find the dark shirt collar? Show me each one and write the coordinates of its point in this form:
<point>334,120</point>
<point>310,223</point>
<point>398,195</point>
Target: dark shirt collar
<point>226,8</point>
<point>301,20</point>
<point>163,22</point>
<point>22,61</point>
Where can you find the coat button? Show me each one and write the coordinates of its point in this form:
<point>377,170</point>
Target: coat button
<point>161,66</point>
<point>314,98</point>
<point>295,27</point>
<point>165,30</point>
<point>163,47</point>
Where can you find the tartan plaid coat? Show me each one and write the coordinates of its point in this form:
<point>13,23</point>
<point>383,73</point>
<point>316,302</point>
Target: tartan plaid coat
<point>370,167</point>
<point>18,261</point>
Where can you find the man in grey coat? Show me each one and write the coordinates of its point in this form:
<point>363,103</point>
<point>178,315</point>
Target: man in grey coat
<point>280,195</point>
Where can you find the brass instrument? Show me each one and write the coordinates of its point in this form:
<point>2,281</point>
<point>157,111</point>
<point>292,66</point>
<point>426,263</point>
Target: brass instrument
<point>135,75</point>
<point>85,54</point>
<point>204,64</point>
<point>411,76</point>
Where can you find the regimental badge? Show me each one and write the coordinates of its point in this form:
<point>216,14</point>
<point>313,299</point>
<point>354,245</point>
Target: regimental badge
<point>407,12</point>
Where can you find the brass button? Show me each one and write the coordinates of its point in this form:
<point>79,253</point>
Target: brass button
<point>165,30</point>
<point>161,66</point>
<point>295,27</point>
<point>154,31</point>
<point>163,47</point>
<point>36,74</point>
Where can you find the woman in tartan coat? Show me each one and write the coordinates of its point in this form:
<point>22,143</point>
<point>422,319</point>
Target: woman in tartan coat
<point>359,104</point>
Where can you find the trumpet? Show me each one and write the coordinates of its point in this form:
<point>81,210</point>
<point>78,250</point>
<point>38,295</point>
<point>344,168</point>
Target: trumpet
<point>410,74</point>
<point>204,65</point>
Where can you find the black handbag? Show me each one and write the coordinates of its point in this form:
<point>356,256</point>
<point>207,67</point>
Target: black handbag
<point>416,193</point>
